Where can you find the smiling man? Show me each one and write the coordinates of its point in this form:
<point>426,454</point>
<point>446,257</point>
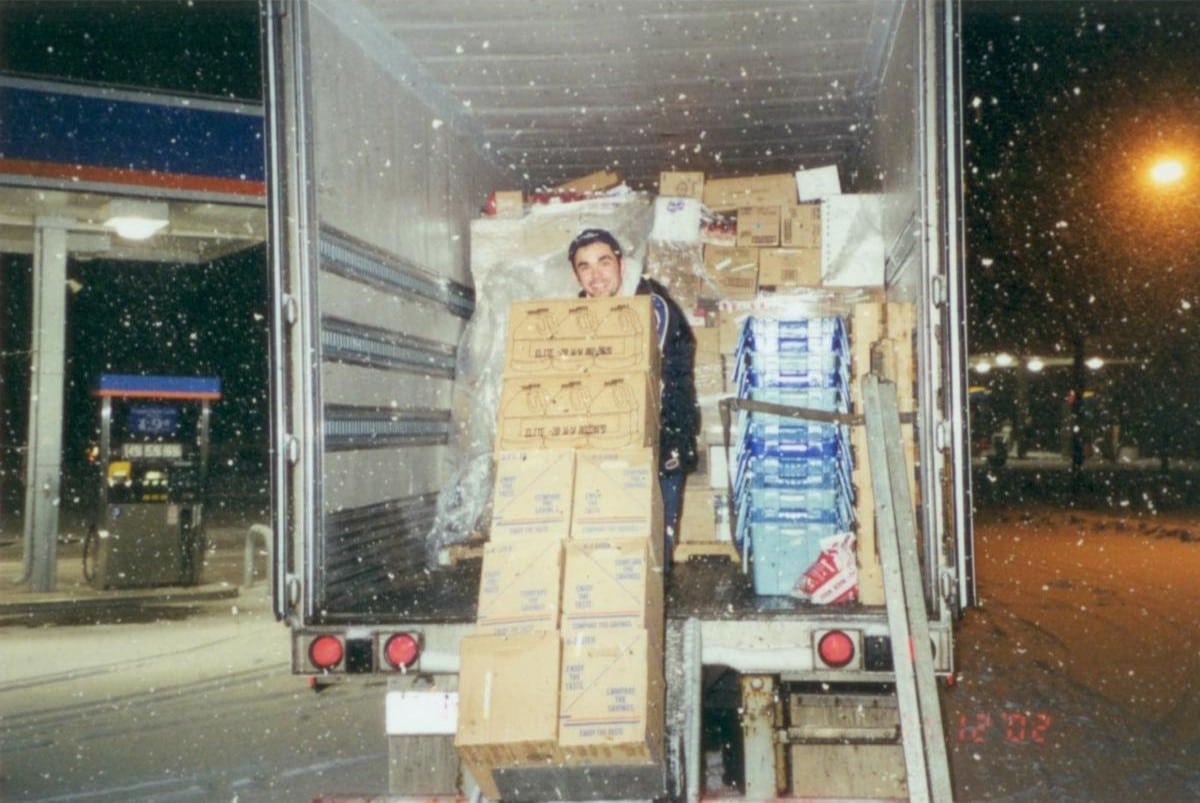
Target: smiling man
<point>597,260</point>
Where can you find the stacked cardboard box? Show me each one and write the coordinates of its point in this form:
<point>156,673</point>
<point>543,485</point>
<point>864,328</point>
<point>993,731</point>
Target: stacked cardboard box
<point>572,572</point>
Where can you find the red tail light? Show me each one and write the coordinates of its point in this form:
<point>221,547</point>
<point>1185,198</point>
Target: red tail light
<point>326,651</point>
<point>835,649</point>
<point>401,650</point>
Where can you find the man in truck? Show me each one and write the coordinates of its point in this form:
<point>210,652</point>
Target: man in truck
<point>596,258</point>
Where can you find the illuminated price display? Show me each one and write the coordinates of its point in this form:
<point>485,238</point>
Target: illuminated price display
<point>153,420</point>
<point>1014,727</point>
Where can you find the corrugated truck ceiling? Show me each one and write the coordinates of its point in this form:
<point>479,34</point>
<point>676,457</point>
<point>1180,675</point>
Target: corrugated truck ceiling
<point>555,89</point>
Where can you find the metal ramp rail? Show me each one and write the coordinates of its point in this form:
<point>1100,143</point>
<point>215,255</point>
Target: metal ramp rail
<point>921,728</point>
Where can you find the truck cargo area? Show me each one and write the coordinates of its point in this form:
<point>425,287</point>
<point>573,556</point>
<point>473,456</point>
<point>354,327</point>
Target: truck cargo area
<point>789,171</point>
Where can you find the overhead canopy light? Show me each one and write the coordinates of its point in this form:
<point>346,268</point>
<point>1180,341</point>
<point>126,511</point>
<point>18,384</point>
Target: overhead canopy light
<point>135,220</point>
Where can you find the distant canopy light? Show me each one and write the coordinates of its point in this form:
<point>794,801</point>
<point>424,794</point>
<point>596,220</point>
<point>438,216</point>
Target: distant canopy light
<point>1004,360</point>
<point>983,367</point>
<point>1166,171</point>
<point>1035,365</point>
<point>1095,363</point>
<point>135,220</point>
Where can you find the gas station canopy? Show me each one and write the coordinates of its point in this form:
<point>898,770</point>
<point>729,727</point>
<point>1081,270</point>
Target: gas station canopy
<point>131,386</point>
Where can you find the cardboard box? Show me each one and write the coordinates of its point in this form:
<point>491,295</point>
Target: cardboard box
<point>676,184</point>
<point>532,494</point>
<point>812,185</point>
<point>784,268</point>
<point>708,345</point>
<point>589,411</point>
<point>734,271</point>
<point>520,586</point>
<point>676,220</point>
<point>612,586</point>
<point>800,226</point>
<point>592,182</point>
<point>577,335</point>
<point>508,703</point>
<point>777,189</point>
<point>709,367</point>
<point>612,699</point>
<point>705,516</point>
<point>732,320</point>
<point>618,495</point>
<point>508,204</point>
<point>758,226</point>
<point>679,267</point>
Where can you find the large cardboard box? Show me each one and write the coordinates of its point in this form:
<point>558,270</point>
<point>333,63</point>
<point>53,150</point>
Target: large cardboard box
<point>777,189</point>
<point>508,689</point>
<point>758,226</point>
<point>786,268</point>
<point>800,226</point>
<point>589,411</point>
<point>734,271</point>
<point>677,184</point>
<point>612,586</point>
<point>520,586</point>
<point>532,495</point>
<point>618,495</point>
<point>572,336</point>
<point>612,699</point>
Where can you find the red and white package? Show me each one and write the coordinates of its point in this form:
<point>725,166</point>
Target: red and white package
<point>833,577</point>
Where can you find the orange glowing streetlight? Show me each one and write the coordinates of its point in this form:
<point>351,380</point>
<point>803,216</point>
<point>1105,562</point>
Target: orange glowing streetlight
<point>1167,171</point>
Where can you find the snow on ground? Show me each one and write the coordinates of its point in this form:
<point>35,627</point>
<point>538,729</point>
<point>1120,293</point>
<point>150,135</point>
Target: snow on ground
<point>1078,672</point>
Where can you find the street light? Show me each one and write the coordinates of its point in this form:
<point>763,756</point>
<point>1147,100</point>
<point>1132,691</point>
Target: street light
<point>1167,171</point>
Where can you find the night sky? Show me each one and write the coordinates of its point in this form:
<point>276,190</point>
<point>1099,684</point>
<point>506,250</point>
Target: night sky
<point>1066,102</point>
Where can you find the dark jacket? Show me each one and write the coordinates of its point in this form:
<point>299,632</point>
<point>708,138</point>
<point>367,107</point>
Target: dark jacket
<point>680,413</point>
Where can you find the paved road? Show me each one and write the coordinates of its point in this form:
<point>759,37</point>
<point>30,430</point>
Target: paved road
<point>177,702</point>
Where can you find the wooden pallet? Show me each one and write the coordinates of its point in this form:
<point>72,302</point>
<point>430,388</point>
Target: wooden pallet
<point>686,550</point>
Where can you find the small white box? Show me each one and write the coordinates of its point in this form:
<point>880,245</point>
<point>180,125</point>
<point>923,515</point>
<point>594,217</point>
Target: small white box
<point>815,184</point>
<point>676,220</point>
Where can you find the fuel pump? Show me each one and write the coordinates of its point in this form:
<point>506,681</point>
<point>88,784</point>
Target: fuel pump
<point>154,443</point>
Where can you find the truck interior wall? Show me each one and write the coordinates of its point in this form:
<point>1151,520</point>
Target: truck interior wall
<point>397,180</point>
<point>896,131</point>
<point>412,184</point>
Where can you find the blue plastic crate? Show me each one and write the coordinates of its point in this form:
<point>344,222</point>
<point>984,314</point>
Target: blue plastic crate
<point>781,473</point>
<point>795,506</point>
<point>780,554</point>
<point>797,334</point>
<point>781,367</point>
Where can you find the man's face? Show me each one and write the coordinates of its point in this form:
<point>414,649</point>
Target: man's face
<point>598,270</point>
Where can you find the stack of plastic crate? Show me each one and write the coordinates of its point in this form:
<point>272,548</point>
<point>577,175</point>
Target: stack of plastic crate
<point>792,484</point>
